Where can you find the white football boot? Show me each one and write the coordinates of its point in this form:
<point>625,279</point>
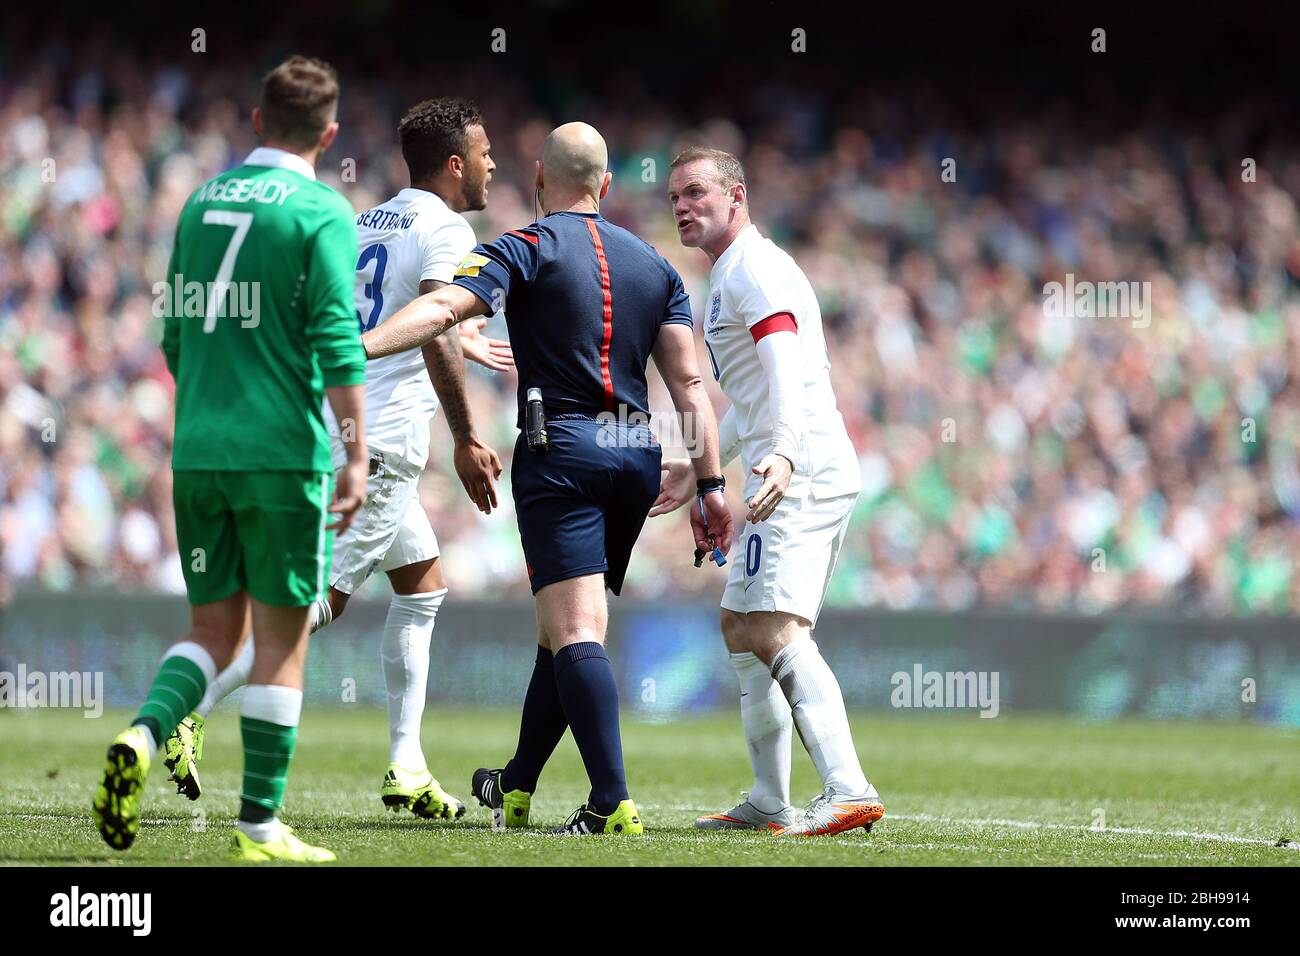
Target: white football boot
<point>746,816</point>
<point>832,813</point>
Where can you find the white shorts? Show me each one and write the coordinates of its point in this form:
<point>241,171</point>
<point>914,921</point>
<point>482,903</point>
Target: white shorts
<point>785,563</point>
<point>390,530</point>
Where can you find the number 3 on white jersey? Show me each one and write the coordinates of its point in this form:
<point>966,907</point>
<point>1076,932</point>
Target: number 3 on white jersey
<point>241,222</point>
<point>374,289</point>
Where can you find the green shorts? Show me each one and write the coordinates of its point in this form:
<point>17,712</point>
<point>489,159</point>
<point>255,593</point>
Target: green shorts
<point>257,531</point>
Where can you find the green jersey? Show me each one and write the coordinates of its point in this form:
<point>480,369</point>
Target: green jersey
<point>260,317</point>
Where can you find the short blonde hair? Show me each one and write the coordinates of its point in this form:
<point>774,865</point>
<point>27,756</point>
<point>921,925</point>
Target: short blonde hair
<point>730,171</point>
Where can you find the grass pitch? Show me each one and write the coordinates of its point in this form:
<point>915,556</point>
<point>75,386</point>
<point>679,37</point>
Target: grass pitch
<point>1017,790</point>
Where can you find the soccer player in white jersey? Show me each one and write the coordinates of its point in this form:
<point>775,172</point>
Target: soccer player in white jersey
<point>763,331</point>
<point>410,245</point>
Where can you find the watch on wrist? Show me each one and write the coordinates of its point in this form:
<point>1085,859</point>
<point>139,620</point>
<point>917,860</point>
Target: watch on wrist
<point>714,483</point>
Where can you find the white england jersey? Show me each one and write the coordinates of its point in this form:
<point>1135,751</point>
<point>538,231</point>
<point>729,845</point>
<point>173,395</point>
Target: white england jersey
<point>410,238</point>
<point>753,281</point>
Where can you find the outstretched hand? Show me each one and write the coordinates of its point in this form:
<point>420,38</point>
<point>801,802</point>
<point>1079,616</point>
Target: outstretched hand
<point>495,354</point>
<point>676,486</point>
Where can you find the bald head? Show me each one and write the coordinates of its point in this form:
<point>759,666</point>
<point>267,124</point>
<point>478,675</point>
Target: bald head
<point>574,160</point>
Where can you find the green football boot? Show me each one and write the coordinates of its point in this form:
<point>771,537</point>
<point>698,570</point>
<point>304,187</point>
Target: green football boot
<point>420,793</point>
<point>116,807</point>
<point>182,753</point>
<point>283,846</point>
<point>509,807</point>
<point>624,821</point>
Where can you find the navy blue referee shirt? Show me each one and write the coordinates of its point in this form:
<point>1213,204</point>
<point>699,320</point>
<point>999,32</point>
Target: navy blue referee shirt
<point>584,300</point>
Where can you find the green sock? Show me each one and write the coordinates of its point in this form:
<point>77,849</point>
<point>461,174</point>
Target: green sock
<point>268,748</point>
<point>175,692</point>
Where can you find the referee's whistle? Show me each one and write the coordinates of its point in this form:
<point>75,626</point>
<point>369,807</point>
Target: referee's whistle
<point>718,557</point>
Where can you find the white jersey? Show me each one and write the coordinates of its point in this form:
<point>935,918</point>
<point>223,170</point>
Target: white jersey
<point>410,238</point>
<point>753,281</point>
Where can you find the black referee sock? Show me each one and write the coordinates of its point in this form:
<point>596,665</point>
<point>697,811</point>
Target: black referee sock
<point>540,728</point>
<point>585,681</point>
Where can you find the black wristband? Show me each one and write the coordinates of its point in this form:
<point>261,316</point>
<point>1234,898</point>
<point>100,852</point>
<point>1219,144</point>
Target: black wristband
<point>703,485</point>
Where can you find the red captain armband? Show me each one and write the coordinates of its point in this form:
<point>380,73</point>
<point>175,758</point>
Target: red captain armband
<point>781,322</point>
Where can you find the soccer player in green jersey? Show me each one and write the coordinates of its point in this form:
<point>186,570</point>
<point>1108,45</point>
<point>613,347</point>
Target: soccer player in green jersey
<point>260,324</point>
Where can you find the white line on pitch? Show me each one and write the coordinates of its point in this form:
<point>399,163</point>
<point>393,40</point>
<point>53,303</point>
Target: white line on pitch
<point>1123,831</point>
<point>915,817</point>
<point>1035,825</point>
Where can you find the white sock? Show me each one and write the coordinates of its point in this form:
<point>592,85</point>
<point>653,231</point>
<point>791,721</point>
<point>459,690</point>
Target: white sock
<point>818,707</point>
<point>765,715</point>
<point>319,615</point>
<point>261,832</point>
<point>405,653</point>
<point>153,744</point>
<point>229,680</point>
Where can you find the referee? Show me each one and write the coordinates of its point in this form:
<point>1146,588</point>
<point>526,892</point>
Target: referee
<point>587,304</point>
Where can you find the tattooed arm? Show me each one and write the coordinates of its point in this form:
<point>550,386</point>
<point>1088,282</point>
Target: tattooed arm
<point>477,465</point>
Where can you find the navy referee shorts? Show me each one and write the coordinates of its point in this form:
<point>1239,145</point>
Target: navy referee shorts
<point>582,502</point>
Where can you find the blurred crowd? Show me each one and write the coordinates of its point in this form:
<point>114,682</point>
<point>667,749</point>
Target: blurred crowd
<point>1011,456</point>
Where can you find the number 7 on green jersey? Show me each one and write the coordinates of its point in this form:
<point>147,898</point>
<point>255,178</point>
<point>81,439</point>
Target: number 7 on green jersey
<point>241,222</point>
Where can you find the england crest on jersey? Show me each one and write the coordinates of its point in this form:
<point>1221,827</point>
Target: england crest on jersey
<point>715,307</point>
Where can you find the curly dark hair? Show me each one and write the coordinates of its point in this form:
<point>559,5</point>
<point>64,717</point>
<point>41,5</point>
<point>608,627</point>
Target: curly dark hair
<point>435,130</point>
